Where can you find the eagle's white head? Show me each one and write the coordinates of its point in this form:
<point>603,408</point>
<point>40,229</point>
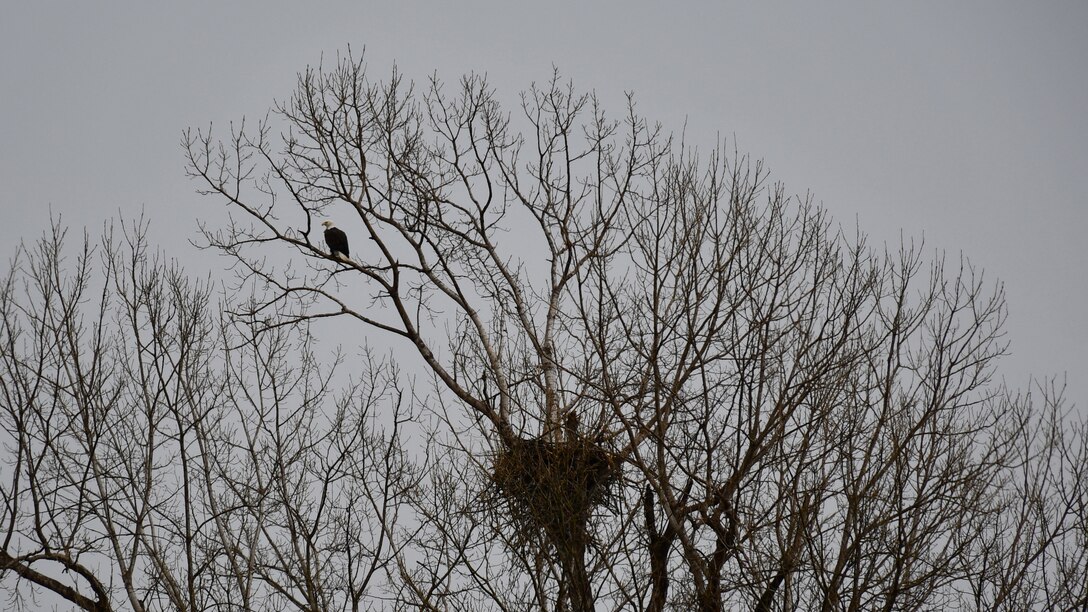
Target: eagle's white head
<point>326,224</point>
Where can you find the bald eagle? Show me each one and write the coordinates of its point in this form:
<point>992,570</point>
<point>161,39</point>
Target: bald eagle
<point>337,241</point>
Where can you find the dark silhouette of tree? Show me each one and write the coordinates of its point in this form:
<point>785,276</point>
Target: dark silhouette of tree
<point>775,413</point>
<point>159,455</point>
<point>643,378</point>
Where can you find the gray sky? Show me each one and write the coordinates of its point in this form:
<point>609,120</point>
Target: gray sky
<point>966,122</point>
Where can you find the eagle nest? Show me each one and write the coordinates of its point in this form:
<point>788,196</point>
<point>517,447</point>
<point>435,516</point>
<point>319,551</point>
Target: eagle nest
<point>547,490</point>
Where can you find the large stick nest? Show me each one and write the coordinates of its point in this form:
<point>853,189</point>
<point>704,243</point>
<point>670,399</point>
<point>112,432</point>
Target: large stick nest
<point>547,490</point>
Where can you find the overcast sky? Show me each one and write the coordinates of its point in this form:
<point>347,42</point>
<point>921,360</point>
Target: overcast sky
<point>964,122</point>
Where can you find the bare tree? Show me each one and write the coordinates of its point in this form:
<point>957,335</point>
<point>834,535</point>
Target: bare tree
<point>680,387</point>
<point>160,456</point>
<point>644,378</point>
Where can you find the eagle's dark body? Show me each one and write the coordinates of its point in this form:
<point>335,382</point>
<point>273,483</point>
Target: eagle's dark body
<point>337,242</point>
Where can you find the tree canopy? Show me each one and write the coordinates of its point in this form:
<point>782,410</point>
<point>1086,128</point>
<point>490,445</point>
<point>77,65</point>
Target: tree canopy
<point>627,374</point>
